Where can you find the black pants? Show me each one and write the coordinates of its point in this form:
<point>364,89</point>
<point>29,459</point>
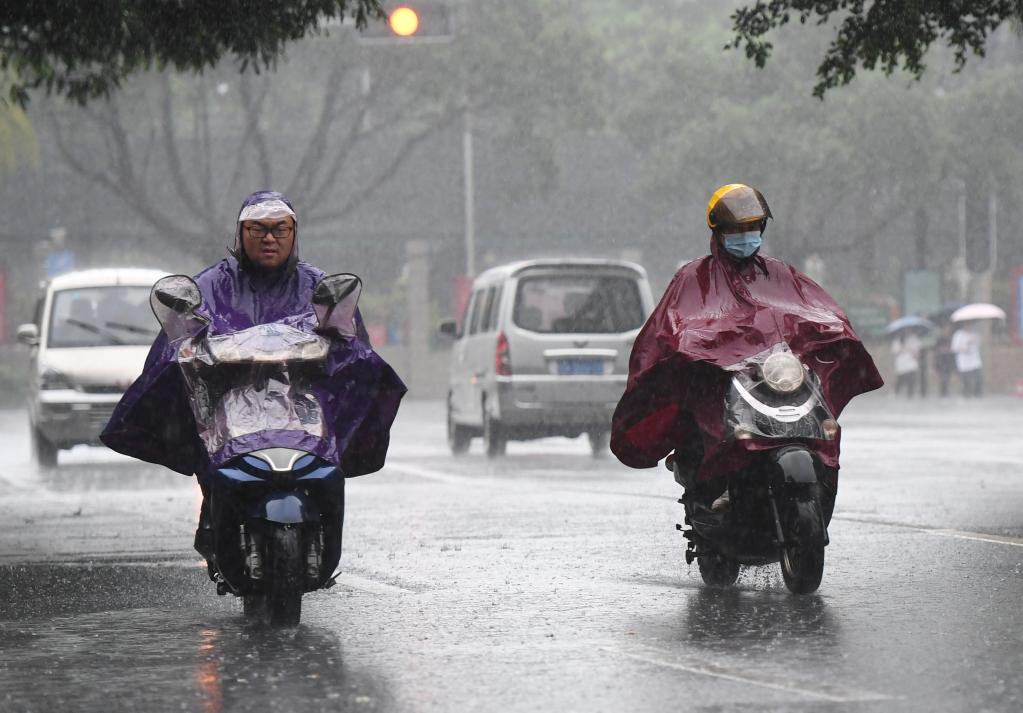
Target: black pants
<point>973,382</point>
<point>944,379</point>
<point>906,382</point>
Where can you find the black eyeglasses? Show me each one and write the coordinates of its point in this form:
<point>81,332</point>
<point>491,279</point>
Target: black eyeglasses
<point>278,231</point>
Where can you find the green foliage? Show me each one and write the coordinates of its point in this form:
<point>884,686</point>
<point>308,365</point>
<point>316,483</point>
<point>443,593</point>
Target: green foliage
<point>847,177</point>
<point>878,34</point>
<point>18,146</point>
<point>84,50</point>
<point>335,120</point>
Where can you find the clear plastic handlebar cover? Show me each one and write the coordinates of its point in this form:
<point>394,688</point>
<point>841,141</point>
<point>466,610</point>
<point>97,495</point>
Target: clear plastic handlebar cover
<point>755,408</point>
<point>174,300</point>
<point>335,300</point>
<point>254,380</point>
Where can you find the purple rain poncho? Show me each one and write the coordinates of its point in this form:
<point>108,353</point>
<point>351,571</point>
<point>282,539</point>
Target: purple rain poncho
<point>358,392</point>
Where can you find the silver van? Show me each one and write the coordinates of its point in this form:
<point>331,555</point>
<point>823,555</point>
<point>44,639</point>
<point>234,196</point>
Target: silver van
<point>543,350</point>
<point>89,339</point>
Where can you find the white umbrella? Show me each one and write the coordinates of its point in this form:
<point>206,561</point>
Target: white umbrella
<point>978,310</point>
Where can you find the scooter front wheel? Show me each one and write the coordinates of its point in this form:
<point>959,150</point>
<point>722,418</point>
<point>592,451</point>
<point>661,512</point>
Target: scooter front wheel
<point>284,599</point>
<point>802,555</point>
<point>717,571</point>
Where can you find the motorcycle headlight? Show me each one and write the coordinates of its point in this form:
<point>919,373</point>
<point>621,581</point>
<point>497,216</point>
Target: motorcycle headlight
<point>783,372</point>
<point>53,379</point>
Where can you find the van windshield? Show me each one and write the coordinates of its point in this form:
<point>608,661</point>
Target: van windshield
<point>573,304</point>
<point>101,317</point>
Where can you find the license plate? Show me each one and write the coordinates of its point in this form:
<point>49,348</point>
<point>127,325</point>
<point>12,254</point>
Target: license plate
<point>576,367</point>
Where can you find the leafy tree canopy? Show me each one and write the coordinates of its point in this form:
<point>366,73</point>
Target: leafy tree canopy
<point>83,50</point>
<point>881,34</point>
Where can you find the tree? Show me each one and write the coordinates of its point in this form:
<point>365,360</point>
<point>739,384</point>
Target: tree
<point>84,50</point>
<point>881,34</point>
<point>848,178</point>
<point>331,125</point>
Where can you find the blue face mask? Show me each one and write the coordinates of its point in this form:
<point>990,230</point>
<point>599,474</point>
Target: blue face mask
<point>742,245</point>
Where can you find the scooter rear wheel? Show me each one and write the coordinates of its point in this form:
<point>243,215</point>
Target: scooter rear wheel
<point>286,576</point>
<point>717,571</point>
<point>802,555</point>
<point>254,606</point>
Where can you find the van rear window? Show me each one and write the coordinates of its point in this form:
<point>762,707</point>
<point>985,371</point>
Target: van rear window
<point>101,317</point>
<point>576,304</point>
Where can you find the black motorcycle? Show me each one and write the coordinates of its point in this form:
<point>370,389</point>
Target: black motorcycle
<point>274,513</point>
<point>778,506</point>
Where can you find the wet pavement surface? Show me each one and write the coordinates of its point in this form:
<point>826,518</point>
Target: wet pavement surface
<point>545,581</point>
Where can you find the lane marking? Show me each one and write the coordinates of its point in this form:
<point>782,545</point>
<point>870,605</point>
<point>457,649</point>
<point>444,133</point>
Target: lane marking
<point>722,672</point>
<point>978,537</point>
<point>940,532</point>
<point>372,586</point>
<point>451,479</point>
<point>430,474</point>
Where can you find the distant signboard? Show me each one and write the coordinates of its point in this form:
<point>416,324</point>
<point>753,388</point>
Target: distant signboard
<point>869,320</point>
<point>921,292</point>
<point>57,263</point>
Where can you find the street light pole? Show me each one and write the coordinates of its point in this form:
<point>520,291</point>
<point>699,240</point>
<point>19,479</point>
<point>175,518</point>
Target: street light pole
<point>469,190</point>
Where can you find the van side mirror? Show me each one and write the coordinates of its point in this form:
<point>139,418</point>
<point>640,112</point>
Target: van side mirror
<point>335,300</point>
<point>28,334</point>
<point>174,300</point>
<point>448,328</point>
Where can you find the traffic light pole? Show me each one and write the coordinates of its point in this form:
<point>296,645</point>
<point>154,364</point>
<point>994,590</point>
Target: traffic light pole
<point>469,190</point>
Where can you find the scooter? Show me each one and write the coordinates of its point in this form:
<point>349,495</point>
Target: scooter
<point>778,505</point>
<point>275,513</point>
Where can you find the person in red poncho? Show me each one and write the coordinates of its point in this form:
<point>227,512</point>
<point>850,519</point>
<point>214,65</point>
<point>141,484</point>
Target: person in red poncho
<point>718,311</point>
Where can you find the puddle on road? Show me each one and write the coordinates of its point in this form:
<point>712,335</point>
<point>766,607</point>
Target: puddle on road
<point>130,638</point>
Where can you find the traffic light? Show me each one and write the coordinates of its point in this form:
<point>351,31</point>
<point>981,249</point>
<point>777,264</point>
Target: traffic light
<point>414,21</point>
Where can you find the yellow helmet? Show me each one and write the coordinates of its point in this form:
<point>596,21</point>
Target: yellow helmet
<point>736,204</point>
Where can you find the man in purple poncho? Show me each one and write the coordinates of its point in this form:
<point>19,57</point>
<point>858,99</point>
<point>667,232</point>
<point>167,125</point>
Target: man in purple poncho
<point>262,281</point>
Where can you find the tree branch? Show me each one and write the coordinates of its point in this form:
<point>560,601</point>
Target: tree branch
<point>356,198</point>
<point>306,169</point>
<point>252,109</point>
<point>251,127</point>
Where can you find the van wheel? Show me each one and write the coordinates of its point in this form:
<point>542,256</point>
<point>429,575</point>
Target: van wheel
<point>459,437</point>
<point>494,440</point>
<point>600,440</point>
<point>45,453</point>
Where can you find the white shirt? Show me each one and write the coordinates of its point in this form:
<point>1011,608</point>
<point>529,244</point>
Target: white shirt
<point>907,353</point>
<point>966,345</point>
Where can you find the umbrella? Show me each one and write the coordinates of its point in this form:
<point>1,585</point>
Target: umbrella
<point>978,310</point>
<point>908,322</point>
<point>944,313</point>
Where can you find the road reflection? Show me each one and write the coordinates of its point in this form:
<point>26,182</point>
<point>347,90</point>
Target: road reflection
<point>736,619</point>
<point>190,659</point>
<point>241,666</point>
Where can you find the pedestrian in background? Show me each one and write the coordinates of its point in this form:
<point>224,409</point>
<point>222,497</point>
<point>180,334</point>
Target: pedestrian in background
<point>944,358</point>
<point>966,346</point>
<point>906,350</point>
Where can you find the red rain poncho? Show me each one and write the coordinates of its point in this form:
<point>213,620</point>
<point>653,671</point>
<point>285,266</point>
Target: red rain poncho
<point>715,313</point>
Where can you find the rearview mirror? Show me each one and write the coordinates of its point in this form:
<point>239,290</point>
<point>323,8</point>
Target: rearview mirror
<point>335,300</point>
<point>174,300</point>
<point>28,334</point>
<point>448,328</point>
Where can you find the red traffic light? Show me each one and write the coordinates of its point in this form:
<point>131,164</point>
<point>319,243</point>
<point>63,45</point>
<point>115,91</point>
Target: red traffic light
<point>403,21</point>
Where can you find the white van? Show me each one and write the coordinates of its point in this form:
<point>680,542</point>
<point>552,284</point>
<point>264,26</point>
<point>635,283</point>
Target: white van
<point>543,350</point>
<point>91,333</point>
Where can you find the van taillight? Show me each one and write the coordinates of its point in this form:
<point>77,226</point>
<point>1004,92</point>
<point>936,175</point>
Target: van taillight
<point>502,357</point>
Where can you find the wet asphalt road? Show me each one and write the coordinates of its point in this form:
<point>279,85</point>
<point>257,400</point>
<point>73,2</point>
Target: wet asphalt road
<point>544,581</point>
